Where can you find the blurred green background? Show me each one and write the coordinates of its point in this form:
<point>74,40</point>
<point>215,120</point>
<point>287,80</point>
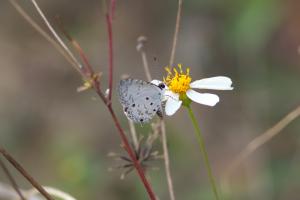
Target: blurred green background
<point>63,137</point>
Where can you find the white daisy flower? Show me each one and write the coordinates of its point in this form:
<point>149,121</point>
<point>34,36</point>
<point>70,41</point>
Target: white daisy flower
<point>179,89</point>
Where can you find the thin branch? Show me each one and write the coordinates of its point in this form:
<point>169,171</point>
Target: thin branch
<point>133,134</point>
<point>43,33</point>
<point>164,137</point>
<point>110,50</point>
<point>132,155</point>
<point>258,142</point>
<point>112,8</point>
<point>26,175</point>
<point>88,70</point>
<point>175,38</point>
<point>55,34</point>
<point>140,48</point>
<point>11,179</point>
<point>167,159</point>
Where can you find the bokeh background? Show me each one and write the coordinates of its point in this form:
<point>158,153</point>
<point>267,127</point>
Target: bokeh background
<point>63,137</point>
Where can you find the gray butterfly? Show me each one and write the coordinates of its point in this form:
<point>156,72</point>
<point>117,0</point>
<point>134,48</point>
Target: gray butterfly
<point>141,100</point>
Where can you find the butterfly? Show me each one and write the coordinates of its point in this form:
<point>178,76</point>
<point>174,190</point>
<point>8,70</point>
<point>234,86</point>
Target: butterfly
<point>141,100</point>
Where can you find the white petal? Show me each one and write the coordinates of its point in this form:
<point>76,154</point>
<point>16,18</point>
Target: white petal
<point>203,98</point>
<point>170,94</point>
<point>172,104</point>
<point>214,83</point>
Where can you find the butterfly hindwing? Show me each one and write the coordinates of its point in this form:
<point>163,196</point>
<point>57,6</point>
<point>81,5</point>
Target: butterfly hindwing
<point>140,100</point>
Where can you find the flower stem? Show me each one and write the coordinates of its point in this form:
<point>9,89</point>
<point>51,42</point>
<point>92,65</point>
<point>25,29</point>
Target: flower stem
<point>203,152</point>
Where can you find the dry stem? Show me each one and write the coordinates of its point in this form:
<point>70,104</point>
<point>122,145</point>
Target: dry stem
<point>12,180</point>
<point>164,136</point>
<point>167,159</point>
<point>44,34</point>
<point>109,17</point>
<point>175,38</point>
<point>30,179</point>
<point>257,143</point>
<point>140,47</point>
<point>55,34</point>
<point>133,134</point>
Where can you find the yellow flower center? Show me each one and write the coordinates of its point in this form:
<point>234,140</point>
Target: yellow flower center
<point>177,80</point>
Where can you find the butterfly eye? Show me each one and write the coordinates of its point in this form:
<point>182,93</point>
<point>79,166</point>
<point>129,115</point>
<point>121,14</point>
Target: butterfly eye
<point>161,86</point>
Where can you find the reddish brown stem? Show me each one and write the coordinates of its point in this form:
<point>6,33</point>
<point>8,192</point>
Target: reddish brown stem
<point>112,8</point>
<point>127,146</point>
<point>17,166</point>
<point>88,67</point>
<point>132,155</point>
<point>110,51</point>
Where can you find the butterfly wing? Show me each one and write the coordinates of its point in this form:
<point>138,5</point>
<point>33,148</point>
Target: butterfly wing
<point>140,100</point>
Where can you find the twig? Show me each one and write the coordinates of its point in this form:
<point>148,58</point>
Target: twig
<point>122,133</point>
<point>167,159</point>
<point>55,34</point>
<point>175,38</point>
<point>87,69</point>
<point>12,180</point>
<point>127,147</point>
<point>132,155</point>
<point>112,8</point>
<point>44,34</point>
<point>164,137</point>
<point>140,48</point>
<point>257,143</point>
<point>110,45</point>
<point>133,134</point>
<point>29,178</point>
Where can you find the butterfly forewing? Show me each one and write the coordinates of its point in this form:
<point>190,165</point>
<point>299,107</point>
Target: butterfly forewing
<point>140,100</point>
